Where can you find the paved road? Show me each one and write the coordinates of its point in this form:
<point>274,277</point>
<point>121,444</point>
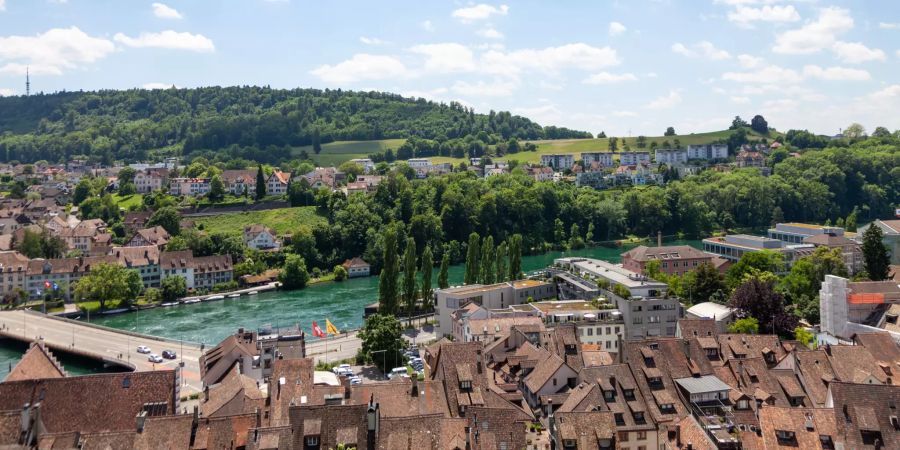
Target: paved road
<point>346,346</point>
<point>102,343</point>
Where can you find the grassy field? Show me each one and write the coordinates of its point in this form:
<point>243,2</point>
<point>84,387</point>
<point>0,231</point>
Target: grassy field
<point>284,220</point>
<point>125,202</point>
<point>334,153</point>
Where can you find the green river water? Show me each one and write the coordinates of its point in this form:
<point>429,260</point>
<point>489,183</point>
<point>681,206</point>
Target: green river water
<point>342,303</point>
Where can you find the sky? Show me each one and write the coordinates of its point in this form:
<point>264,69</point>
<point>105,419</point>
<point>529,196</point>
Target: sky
<point>626,67</point>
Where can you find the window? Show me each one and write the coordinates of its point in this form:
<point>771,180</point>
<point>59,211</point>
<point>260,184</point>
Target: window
<point>641,435</point>
<point>638,416</point>
<point>623,435</point>
<point>743,404</point>
<point>609,395</point>
<point>312,441</point>
<point>620,421</point>
<point>465,385</point>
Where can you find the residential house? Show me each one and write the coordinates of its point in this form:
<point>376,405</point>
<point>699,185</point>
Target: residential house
<point>194,187</point>
<point>494,296</point>
<point>367,164</point>
<point>90,237</point>
<point>540,173</point>
<point>604,159</point>
<point>260,237</point>
<point>277,183</point>
<point>865,415</point>
<point>202,272</point>
<point>671,156</point>
<point>673,260</point>
<point>851,251</point>
<point>52,276</point>
<point>559,162</point>
<point>13,272</point>
<point>633,158</point>
<point>157,236</point>
<point>143,259</point>
<point>239,182</point>
<point>748,158</point>
<point>356,267</point>
<point>707,151</point>
<point>150,180</point>
<point>135,220</point>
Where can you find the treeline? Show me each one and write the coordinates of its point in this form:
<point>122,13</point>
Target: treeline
<point>472,146</point>
<point>860,182</point>
<point>256,123</point>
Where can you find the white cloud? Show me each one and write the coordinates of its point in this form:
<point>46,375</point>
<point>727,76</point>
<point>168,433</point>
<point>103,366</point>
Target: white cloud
<point>609,78</point>
<point>164,11</point>
<point>817,35</point>
<point>749,61</point>
<point>745,16</point>
<point>650,75</point>
<point>888,92</point>
<point>666,101</point>
<point>427,26</point>
<point>702,49</point>
<point>446,57</point>
<point>779,105</point>
<point>168,39</point>
<point>2,5</point>
<point>857,52</point>
<point>740,100</point>
<point>361,66</point>
<point>544,84</point>
<point>766,75</point>
<point>549,60</point>
<point>490,33</point>
<point>480,11</point>
<point>157,85</point>
<point>6,92</point>
<point>616,28</point>
<point>544,114</point>
<point>624,114</point>
<point>889,25</point>
<point>836,73</point>
<point>436,94</point>
<point>497,88</point>
<point>371,40</point>
<point>51,52</point>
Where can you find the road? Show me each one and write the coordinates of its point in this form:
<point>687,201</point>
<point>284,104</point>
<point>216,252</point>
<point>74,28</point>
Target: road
<point>346,346</point>
<point>102,343</point>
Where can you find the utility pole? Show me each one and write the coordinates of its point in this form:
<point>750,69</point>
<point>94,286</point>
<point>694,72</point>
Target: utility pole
<point>27,81</point>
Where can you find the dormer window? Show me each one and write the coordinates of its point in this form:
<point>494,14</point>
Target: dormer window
<point>638,416</point>
<point>785,436</point>
<point>609,395</point>
<point>620,419</point>
<point>743,404</point>
<point>465,385</point>
<point>667,408</point>
<point>629,394</point>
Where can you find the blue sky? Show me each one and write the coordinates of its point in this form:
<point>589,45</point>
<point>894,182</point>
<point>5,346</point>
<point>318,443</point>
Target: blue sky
<point>626,67</point>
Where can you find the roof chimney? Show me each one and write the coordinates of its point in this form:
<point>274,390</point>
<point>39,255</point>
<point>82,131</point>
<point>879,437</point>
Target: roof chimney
<point>414,390</point>
<point>258,418</point>
<point>205,393</point>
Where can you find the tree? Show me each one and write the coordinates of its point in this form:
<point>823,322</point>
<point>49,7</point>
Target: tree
<point>294,275</point>
<point>641,141</point>
<point>670,131</point>
<point>738,123</point>
<point>168,218</point>
<point>515,257</point>
<point>153,295</point>
<point>747,325</point>
<point>613,143</point>
<point>427,268</point>
<point>216,189</point>
<point>805,336</point>
<point>850,223</point>
<point>382,341</point>
<point>443,275</point>
<point>876,258</point>
<point>409,276</point>
<point>759,124</point>
<point>126,175</point>
<point>704,283</point>
<point>757,298</point>
<point>316,141</point>
<point>83,190</point>
<point>339,272</point>
<point>854,132</point>
<point>487,266</point>
<point>559,232</point>
<point>387,280</point>
<point>760,261</point>
<point>501,264</point>
<point>109,283</point>
<point>777,216</point>
<point>575,240</point>
<point>589,236</point>
<point>601,135</point>
<point>472,260</point>
<point>172,288</point>
<point>41,245</point>
<point>260,183</point>
<point>805,279</point>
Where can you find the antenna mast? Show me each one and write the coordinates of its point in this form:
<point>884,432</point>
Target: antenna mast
<point>27,82</point>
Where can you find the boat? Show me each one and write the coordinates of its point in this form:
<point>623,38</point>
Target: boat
<point>213,297</point>
<point>192,301</point>
<point>167,304</point>
<point>234,295</point>
<point>252,293</point>
<point>115,311</point>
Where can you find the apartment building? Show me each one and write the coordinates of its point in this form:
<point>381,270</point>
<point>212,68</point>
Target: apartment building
<point>494,296</point>
<point>633,158</point>
<point>558,161</point>
<point>605,159</point>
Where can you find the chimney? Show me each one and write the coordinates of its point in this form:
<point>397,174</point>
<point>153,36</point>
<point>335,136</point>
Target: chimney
<point>414,390</point>
<point>478,365</point>
<point>372,423</point>
<point>678,435</point>
<point>347,390</point>
<point>205,393</point>
<point>258,418</point>
<point>139,421</point>
<point>468,442</point>
<point>659,238</point>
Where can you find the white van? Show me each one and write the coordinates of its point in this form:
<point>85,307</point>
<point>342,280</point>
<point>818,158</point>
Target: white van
<point>397,372</point>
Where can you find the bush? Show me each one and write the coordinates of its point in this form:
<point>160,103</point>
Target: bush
<point>226,286</point>
<point>340,273</point>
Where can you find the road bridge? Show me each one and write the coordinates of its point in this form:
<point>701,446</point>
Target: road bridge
<point>109,345</point>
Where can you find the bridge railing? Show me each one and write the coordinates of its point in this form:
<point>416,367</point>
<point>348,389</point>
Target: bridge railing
<point>112,330</point>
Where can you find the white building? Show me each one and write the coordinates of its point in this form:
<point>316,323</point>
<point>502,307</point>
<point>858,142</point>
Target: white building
<point>278,182</point>
<point>494,296</point>
<point>605,159</point>
<point>633,158</point>
<point>707,151</point>
<point>366,163</point>
<point>847,308</point>
<point>416,163</point>
<point>558,162</point>
<point>669,156</point>
<point>260,237</point>
<point>189,186</point>
<point>722,314</point>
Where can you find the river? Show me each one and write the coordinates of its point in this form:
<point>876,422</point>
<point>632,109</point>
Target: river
<point>340,302</point>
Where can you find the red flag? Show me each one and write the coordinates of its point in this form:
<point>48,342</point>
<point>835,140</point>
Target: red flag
<point>47,284</point>
<point>317,332</point>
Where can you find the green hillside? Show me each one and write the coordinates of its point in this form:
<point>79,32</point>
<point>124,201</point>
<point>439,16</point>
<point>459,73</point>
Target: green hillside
<point>284,220</point>
<point>335,153</point>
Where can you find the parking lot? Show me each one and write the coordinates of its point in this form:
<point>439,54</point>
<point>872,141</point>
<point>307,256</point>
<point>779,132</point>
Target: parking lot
<point>371,373</point>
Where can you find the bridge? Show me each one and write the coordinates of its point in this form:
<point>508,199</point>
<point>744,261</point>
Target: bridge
<point>109,345</point>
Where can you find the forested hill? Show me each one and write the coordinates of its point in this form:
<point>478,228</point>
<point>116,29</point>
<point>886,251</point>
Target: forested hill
<point>257,123</point>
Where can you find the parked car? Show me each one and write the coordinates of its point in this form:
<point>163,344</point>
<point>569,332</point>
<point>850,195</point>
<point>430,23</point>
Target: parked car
<point>143,349</point>
<point>154,358</point>
<point>397,372</point>
<point>355,380</point>
<point>340,368</point>
<point>169,354</point>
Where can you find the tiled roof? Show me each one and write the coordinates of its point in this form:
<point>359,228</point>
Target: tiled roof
<point>145,255</point>
<point>665,253</point>
<point>235,394</point>
<point>67,265</point>
<point>858,407</point>
<point>807,424</point>
<point>585,428</point>
<point>815,368</point>
<point>37,363</point>
<point>698,327</point>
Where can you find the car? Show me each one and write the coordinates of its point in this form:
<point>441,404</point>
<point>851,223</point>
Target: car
<point>345,373</point>
<point>396,372</point>
<point>355,380</point>
<point>412,352</point>
<point>340,368</point>
<point>154,358</point>
<point>143,349</point>
<point>169,354</point>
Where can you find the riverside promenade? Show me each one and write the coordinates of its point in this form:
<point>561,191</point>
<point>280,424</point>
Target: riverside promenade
<point>112,346</point>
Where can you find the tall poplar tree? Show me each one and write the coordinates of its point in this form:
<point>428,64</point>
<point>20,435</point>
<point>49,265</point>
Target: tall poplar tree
<point>260,183</point>
<point>387,281</point>
<point>409,276</point>
<point>501,264</point>
<point>426,268</point>
<point>875,255</point>
<point>444,275</point>
<point>472,256</point>
<point>488,266</point>
<point>515,257</point>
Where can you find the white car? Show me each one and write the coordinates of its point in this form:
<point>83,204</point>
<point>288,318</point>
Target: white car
<point>340,368</point>
<point>143,349</point>
<point>154,358</point>
<point>355,380</point>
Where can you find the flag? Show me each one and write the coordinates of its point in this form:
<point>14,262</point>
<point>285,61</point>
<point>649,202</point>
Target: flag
<point>330,327</point>
<point>55,287</point>
<point>317,332</point>
<point>47,284</point>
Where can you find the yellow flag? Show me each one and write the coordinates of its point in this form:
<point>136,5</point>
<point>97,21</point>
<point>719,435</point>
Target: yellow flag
<point>330,328</point>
